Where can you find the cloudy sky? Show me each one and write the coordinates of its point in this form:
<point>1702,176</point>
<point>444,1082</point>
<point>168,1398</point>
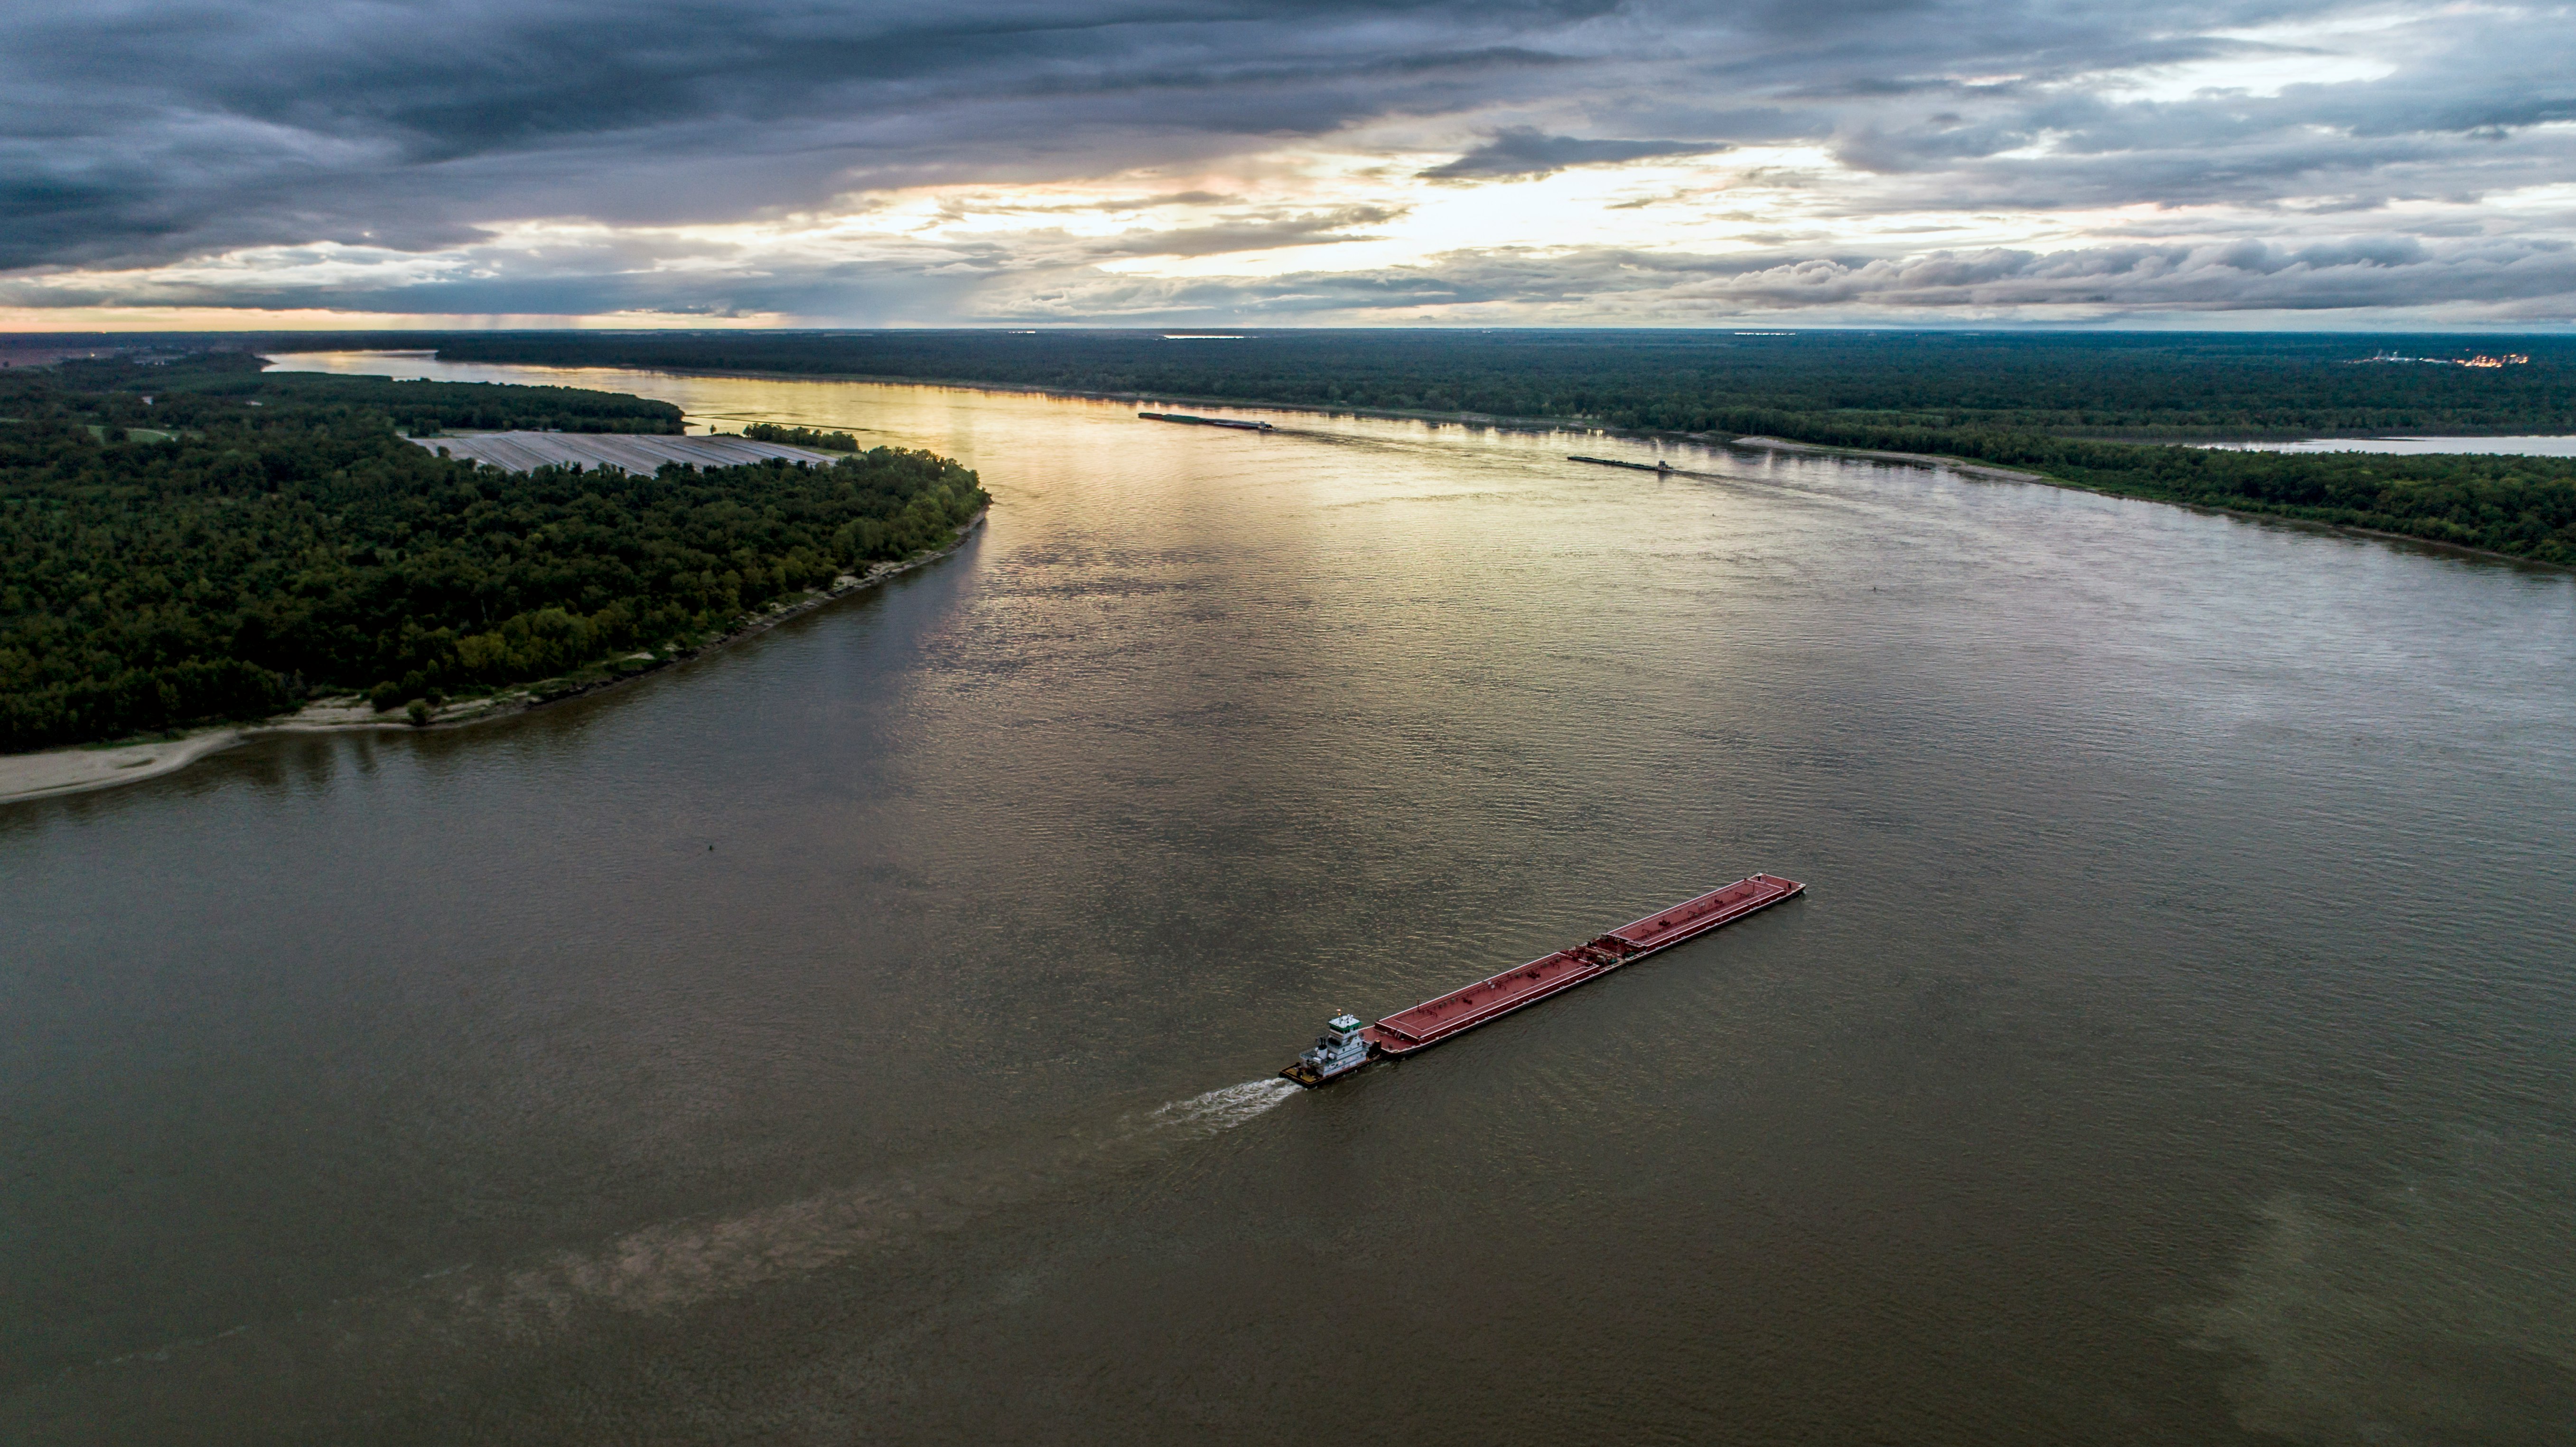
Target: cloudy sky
<point>257,163</point>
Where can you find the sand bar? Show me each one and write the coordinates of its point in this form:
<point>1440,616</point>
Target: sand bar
<point>69,771</point>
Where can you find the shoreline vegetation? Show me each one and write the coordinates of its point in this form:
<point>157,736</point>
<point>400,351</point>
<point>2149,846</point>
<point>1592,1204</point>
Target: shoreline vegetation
<point>2040,404</point>
<point>52,773</point>
<point>267,554</point>
<point>813,437</point>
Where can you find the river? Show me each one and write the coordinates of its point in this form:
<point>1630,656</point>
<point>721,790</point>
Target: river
<point>866,1031</point>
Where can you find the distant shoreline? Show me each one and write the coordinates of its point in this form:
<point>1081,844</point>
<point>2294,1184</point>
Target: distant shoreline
<point>1961,465</point>
<point>1469,419</point>
<point>1487,419</point>
<point>55,773</point>
<point>1987,471</point>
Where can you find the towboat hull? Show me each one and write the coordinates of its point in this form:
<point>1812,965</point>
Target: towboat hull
<point>1309,1077</point>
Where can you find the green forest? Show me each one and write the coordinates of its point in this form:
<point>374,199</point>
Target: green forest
<point>2100,410</point>
<point>195,542</point>
<point>2127,385</point>
<point>233,383</point>
<point>815,438</point>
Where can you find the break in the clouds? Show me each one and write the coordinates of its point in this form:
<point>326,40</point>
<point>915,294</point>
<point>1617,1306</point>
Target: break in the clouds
<point>1136,161</point>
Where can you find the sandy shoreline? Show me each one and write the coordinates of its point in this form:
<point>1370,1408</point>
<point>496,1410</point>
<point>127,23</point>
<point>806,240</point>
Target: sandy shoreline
<point>56,772</point>
<point>71,771</point>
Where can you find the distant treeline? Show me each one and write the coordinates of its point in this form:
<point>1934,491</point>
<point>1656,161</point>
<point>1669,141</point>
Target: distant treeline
<point>197,559</point>
<point>2074,407</point>
<point>224,383</point>
<point>2521,506</point>
<point>801,437</point>
<point>2141,386</point>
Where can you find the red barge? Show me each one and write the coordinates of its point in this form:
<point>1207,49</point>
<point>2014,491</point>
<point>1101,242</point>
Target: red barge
<point>1347,1044</point>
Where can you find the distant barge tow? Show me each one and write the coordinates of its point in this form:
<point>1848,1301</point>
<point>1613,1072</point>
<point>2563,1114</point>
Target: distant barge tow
<point>1347,1044</point>
<point>1184,417</point>
<point>1657,466</point>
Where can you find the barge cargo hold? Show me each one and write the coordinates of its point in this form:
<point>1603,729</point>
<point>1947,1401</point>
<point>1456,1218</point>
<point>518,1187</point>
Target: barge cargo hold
<point>1462,1010</point>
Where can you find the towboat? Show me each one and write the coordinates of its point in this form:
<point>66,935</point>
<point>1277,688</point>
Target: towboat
<point>1338,1051</point>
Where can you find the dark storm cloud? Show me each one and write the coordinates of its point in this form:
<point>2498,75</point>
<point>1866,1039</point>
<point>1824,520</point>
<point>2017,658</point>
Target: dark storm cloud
<point>1526,151</point>
<point>157,128</point>
<point>154,131</point>
<point>2481,281</point>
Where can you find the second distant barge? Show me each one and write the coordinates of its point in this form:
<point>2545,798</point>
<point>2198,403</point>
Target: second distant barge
<point>1656,466</point>
<point>1347,1044</point>
<point>1207,421</point>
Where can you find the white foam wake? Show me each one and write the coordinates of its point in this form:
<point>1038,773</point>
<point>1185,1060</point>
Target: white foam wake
<point>1225,1108</point>
<point>674,1265</point>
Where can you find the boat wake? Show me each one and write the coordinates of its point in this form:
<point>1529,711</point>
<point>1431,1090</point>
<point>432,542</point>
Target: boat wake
<point>670,1266</point>
<point>661,1267</point>
<point>1225,1109</point>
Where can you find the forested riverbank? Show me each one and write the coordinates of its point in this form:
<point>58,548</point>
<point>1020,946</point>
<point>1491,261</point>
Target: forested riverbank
<point>2522,507</point>
<point>268,540</point>
<point>2103,411</point>
<point>2121,386</point>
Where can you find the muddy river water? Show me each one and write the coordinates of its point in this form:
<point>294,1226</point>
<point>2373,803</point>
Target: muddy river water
<point>867,1032</point>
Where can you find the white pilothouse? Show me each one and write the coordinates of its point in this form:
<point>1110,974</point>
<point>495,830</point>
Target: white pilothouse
<point>1340,1050</point>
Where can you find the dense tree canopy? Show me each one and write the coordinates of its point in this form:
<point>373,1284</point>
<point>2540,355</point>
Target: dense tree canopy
<point>188,389</point>
<point>813,437</point>
<point>2137,385</point>
<point>234,561</point>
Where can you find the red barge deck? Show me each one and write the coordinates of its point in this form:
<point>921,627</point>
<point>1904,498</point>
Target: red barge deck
<point>1461,1010</point>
